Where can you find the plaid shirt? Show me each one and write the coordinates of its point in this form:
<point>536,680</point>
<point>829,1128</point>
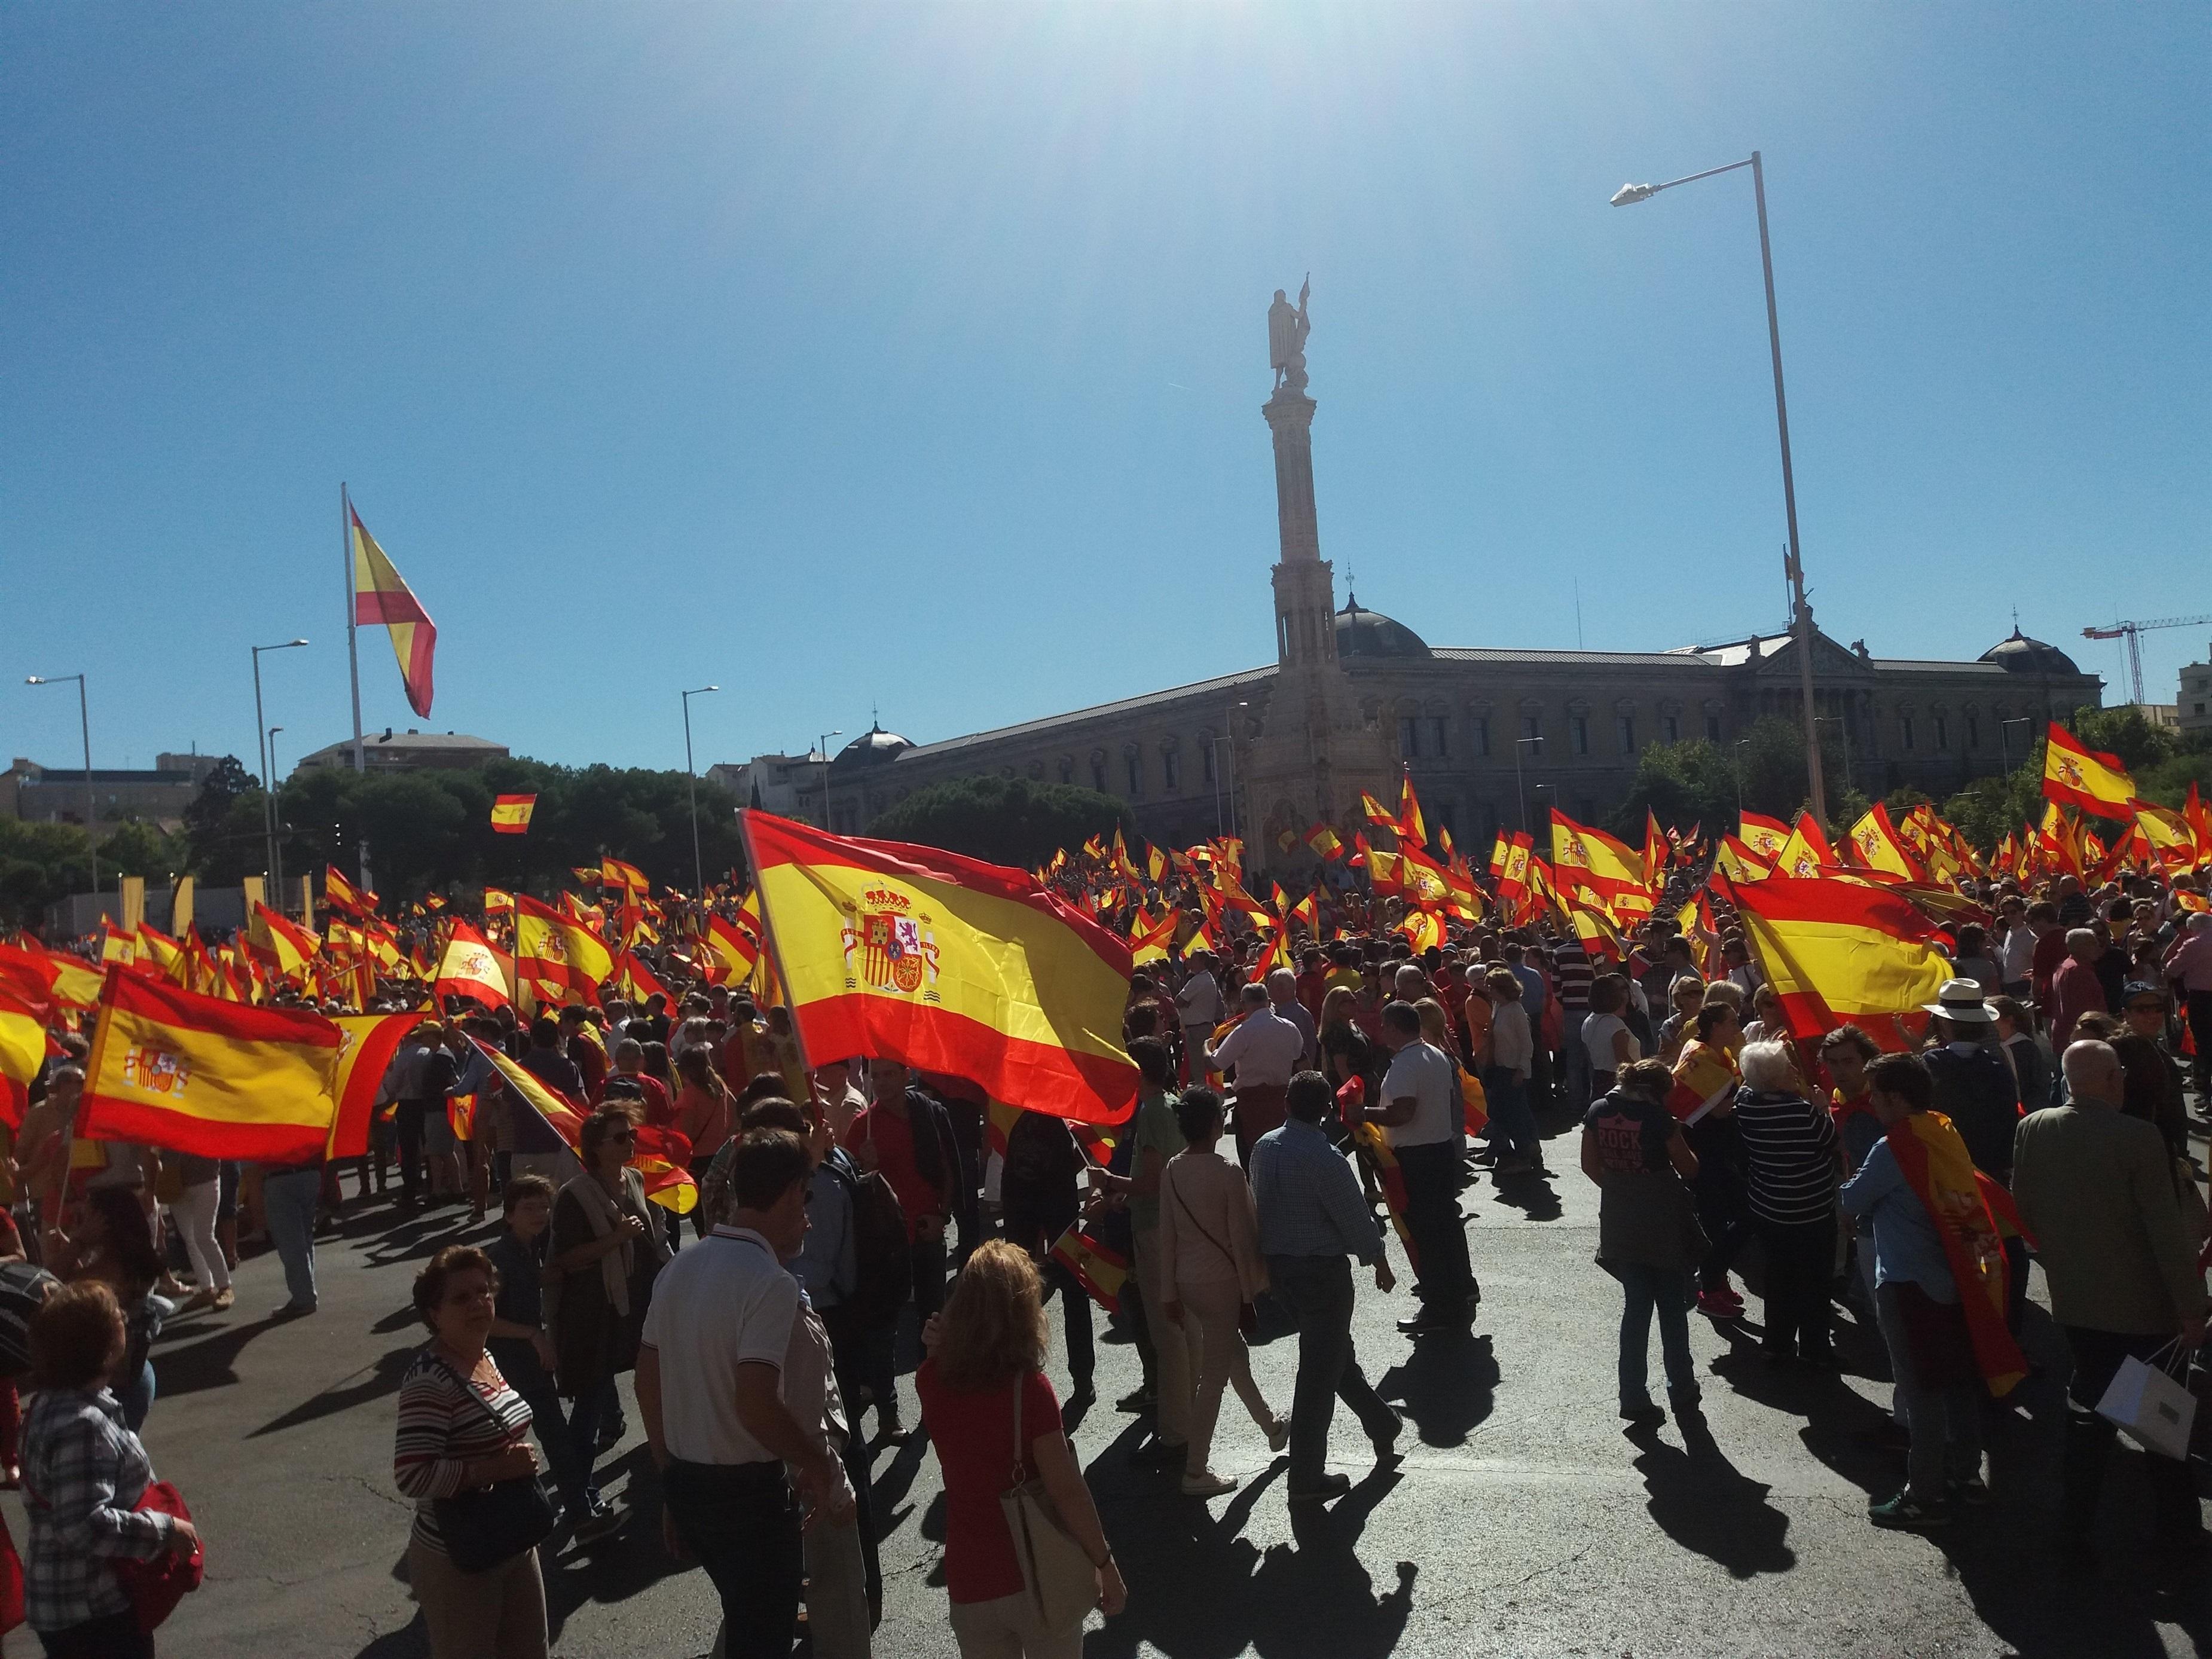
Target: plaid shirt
<point>83,1471</point>
<point>1309,1201</point>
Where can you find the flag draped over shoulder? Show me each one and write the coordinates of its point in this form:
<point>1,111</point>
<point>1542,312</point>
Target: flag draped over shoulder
<point>197,1074</point>
<point>1838,951</point>
<point>2074,775</point>
<point>946,963</point>
<point>1933,1156</point>
<point>368,1042</point>
<point>381,598</point>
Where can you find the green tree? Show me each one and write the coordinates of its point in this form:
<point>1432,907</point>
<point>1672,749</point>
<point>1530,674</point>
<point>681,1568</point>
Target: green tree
<point>1014,821</point>
<point>224,832</point>
<point>138,848</point>
<point>1698,781</point>
<point>40,864</point>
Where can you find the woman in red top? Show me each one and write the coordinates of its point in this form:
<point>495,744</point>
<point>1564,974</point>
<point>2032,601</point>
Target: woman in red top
<point>987,1345</point>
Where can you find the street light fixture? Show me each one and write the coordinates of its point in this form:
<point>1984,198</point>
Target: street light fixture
<point>1628,196</point>
<point>1519,788</point>
<point>276,847</point>
<point>822,743</point>
<point>691,777</point>
<point>84,726</point>
<point>2004,745</point>
<point>1842,742</point>
<point>263,758</point>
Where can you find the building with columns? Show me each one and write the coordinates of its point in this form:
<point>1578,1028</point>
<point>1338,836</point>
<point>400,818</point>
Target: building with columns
<point>1492,736</point>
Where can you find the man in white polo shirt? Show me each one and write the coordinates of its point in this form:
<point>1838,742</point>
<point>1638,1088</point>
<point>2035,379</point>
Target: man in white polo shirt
<point>1418,1113</point>
<point>710,1388</point>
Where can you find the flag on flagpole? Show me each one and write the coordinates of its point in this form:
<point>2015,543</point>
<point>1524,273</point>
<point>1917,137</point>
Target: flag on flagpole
<point>469,967</point>
<point>211,1078</point>
<point>946,963</point>
<point>548,1122</point>
<point>560,960</point>
<point>1100,1271</point>
<point>370,1042</point>
<point>2077,775</point>
<point>510,814</point>
<point>381,598</point>
<point>1840,951</point>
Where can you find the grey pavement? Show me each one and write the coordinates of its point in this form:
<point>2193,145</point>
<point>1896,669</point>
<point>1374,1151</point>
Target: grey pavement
<point>1522,1520</point>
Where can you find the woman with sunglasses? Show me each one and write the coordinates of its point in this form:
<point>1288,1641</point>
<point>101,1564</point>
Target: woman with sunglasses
<point>605,1252</point>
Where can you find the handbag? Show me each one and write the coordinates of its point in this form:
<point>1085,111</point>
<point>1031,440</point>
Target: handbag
<point>1248,1316</point>
<point>156,1586</point>
<point>1057,1574</point>
<point>492,1524</point>
<point>2151,1402</point>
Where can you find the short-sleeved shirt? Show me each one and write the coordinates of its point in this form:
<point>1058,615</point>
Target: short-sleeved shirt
<point>1427,1075</point>
<point>1629,1134</point>
<point>726,1302</point>
<point>1157,1131</point>
<point>974,1434</point>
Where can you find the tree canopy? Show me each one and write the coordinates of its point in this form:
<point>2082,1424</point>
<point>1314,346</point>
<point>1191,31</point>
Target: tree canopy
<point>1015,821</point>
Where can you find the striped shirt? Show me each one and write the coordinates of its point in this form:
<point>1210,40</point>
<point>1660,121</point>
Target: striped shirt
<point>1575,974</point>
<point>1790,1149</point>
<point>446,1420</point>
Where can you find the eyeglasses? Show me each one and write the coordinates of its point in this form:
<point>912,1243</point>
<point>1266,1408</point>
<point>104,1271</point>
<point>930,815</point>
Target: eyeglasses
<point>622,1134</point>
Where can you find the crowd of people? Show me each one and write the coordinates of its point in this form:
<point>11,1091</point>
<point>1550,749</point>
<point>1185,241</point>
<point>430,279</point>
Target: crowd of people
<point>853,1214</point>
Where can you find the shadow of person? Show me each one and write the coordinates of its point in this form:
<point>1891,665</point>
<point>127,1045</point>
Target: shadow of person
<point>1704,1504</point>
<point>382,1378</point>
<point>1448,1385</point>
<point>190,1357</point>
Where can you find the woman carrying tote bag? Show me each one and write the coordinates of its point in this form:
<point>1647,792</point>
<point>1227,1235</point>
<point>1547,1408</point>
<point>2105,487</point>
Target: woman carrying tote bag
<point>986,1403</point>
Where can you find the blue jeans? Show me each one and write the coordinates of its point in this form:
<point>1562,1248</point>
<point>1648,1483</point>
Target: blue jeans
<point>1512,1120</point>
<point>288,1198</point>
<point>1644,1289</point>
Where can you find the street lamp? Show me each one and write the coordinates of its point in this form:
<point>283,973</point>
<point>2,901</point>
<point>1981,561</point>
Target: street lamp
<point>1519,788</point>
<point>1628,196</point>
<point>1234,709</point>
<point>276,848</point>
<point>2004,745</point>
<point>698,872</point>
<point>823,742</point>
<point>84,724</point>
<point>262,756</point>
<point>1844,741</point>
<point>1742,743</point>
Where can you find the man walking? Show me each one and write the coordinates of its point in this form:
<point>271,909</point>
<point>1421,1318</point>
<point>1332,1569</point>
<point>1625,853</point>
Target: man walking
<point>1264,1049</point>
<point>1312,1215</point>
<point>2095,1188</point>
<point>1417,1117</point>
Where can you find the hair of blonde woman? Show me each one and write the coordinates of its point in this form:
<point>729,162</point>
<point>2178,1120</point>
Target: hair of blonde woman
<point>1728,991</point>
<point>993,1330</point>
<point>1338,1007</point>
<point>1432,1021</point>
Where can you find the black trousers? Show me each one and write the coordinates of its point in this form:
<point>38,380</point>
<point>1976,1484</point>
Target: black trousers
<point>741,1521</point>
<point>2097,1356</point>
<point>2199,1010</point>
<point>407,1120</point>
<point>1075,1310</point>
<point>1431,1174</point>
<point>1317,1290</point>
<point>1799,1263</point>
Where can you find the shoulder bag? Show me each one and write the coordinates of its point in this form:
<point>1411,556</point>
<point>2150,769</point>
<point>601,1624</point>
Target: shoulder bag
<point>1248,1316</point>
<point>492,1524</point>
<point>1057,1575</point>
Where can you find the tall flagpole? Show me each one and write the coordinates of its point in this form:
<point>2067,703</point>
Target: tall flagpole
<point>353,655</point>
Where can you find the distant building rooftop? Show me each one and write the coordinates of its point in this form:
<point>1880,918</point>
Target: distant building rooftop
<point>391,751</point>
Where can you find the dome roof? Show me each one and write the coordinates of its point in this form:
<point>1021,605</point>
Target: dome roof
<point>873,747</point>
<point>2019,654</point>
<point>1366,634</point>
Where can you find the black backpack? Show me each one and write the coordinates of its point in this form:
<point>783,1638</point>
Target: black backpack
<point>884,1264</point>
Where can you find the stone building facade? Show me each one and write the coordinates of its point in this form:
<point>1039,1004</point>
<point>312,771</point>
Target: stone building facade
<point>1493,737</point>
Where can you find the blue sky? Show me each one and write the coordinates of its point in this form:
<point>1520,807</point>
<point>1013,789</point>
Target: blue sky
<point>912,357</point>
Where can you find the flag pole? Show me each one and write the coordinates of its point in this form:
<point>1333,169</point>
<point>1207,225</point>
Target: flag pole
<point>353,653</point>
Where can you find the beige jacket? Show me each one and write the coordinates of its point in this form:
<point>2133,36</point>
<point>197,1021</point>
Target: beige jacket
<point>1209,1231</point>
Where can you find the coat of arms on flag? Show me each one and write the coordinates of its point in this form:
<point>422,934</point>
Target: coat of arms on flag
<point>897,950</point>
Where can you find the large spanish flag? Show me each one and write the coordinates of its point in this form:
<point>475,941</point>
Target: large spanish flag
<point>1838,951</point>
<point>70,979</point>
<point>946,963</point>
<point>1589,858</point>
<point>471,968</point>
<point>286,949</point>
<point>381,598</point>
<point>2075,774</point>
<point>561,961</point>
<point>369,1041</point>
<point>197,1074</point>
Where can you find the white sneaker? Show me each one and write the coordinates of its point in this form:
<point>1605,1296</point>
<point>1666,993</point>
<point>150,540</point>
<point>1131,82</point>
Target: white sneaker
<point>1208,1484</point>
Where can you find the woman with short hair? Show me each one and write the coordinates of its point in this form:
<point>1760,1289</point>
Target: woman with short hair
<point>1634,1150</point>
<point>1792,1156</point>
<point>1513,1134</point>
<point>462,1428</point>
<point>993,1420</point>
<point>84,1474</point>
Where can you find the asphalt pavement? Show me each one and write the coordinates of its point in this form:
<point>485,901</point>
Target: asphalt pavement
<point>1520,1520</point>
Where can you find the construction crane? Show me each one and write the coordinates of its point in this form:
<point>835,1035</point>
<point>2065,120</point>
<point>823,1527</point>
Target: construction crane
<point>2128,631</point>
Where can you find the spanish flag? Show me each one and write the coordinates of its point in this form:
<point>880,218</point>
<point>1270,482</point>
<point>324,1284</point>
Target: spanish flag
<point>1937,1166</point>
<point>635,980</point>
<point>1100,1271</point>
<point>498,902</point>
<point>560,960</point>
<point>342,895</point>
<point>1836,951</point>
<point>1150,941</point>
<point>1875,844</point>
<point>471,968</point>
<point>24,1010</point>
<point>1705,1075</point>
<point>2077,775</point>
<point>732,947</point>
<point>381,598</point>
<point>199,1075</point>
<point>1765,836</point>
<point>510,814</point>
<point>613,872</point>
<point>370,1042</point>
<point>546,1121</point>
<point>1589,858</point>
<point>73,984</point>
<point>1807,853</point>
<point>285,948</point>
<point>947,964</point>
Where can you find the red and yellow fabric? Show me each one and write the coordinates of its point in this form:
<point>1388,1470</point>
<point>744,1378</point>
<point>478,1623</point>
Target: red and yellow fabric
<point>510,814</point>
<point>26,1009</point>
<point>72,983</point>
<point>498,902</point>
<point>1373,1149</point>
<point>469,967</point>
<point>613,872</point>
<point>1589,858</point>
<point>1705,1075</point>
<point>2077,775</point>
<point>118,949</point>
<point>1375,812</point>
<point>663,1156</point>
<point>1422,877</point>
<point>1933,1157</point>
<point>2199,820</point>
<point>1100,1271</point>
<point>946,963</point>
<point>1474,1105</point>
<point>1839,951</point>
<point>1413,829</point>
<point>381,599</point>
<point>1875,844</point>
<point>1765,837</point>
<point>2168,834</point>
<point>558,960</point>
<point>160,956</point>
<point>1149,941</point>
<point>1324,842</point>
<point>1807,853</point>
<point>1736,860</point>
<point>196,1074</point>
<point>369,1044</point>
<point>340,894</point>
<point>732,947</point>
<point>285,948</point>
<point>1658,854</point>
<point>635,980</point>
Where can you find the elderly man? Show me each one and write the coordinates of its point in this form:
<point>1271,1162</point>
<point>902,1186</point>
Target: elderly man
<point>1282,998</point>
<point>2096,1189</point>
<point>1419,1114</point>
<point>2189,969</point>
<point>1264,1049</point>
<point>2075,987</point>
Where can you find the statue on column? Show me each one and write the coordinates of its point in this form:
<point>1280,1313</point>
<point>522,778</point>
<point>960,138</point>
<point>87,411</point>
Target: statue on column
<point>1287,327</point>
